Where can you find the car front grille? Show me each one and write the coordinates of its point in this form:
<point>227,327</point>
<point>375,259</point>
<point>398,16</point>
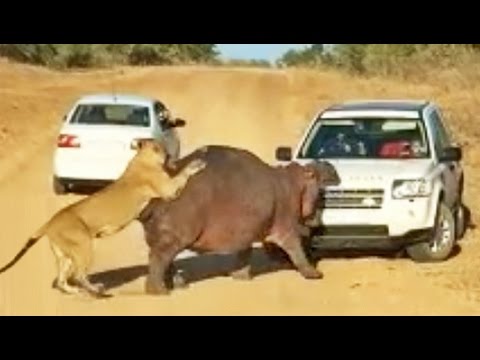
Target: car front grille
<point>353,199</point>
<point>358,231</point>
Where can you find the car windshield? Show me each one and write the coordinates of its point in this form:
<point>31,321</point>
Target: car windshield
<point>127,115</point>
<point>376,138</point>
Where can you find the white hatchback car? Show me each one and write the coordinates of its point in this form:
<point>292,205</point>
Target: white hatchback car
<point>99,134</point>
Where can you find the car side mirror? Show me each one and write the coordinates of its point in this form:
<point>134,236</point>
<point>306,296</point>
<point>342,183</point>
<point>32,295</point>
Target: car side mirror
<point>450,154</point>
<point>177,123</point>
<point>284,154</point>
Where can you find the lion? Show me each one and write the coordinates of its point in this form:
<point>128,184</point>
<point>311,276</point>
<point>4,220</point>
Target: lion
<point>72,230</point>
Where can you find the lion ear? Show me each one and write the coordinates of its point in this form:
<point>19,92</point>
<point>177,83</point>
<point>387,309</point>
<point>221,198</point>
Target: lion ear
<point>141,143</point>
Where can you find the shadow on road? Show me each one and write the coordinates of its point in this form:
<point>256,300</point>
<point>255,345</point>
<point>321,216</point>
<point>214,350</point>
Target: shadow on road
<point>194,269</point>
<point>202,267</point>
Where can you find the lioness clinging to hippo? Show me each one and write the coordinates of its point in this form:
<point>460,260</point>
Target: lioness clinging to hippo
<point>236,201</point>
<point>72,230</point>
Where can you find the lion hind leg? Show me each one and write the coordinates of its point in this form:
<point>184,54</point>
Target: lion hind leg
<point>65,270</point>
<point>83,259</point>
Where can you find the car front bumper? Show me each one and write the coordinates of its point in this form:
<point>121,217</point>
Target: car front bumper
<point>365,238</point>
<point>396,224</point>
<point>84,183</point>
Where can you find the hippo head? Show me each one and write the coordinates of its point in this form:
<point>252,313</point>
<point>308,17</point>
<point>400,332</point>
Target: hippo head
<point>316,176</point>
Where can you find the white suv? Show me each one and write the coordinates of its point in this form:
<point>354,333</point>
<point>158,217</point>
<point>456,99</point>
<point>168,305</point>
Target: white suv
<point>401,178</point>
<point>99,134</point>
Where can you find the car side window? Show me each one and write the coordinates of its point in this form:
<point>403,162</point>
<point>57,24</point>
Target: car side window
<point>441,135</point>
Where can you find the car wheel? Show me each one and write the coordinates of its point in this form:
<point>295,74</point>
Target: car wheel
<point>442,242</point>
<point>59,188</point>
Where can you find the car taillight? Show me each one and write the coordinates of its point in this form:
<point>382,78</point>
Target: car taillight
<point>68,141</point>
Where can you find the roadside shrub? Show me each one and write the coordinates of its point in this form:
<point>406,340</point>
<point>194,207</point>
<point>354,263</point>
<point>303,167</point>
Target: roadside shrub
<point>95,55</point>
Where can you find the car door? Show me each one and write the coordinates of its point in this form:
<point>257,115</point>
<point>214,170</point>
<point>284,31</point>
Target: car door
<point>450,171</point>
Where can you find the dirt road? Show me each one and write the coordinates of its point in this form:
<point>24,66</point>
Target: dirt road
<point>254,109</point>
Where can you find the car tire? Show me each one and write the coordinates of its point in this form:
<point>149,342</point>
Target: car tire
<point>443,239</point>
<point>462,215</point>
<point>460,222</point>
<point>59,188</point>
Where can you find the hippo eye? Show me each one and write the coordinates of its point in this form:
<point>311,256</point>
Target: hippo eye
<point>309,174</point>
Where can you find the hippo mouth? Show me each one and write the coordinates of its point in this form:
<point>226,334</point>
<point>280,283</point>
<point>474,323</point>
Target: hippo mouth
<point>332,182</point>
<point>313,221</point>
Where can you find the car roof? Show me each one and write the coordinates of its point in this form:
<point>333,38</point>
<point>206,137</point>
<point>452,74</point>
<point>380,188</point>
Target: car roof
<point>390,105</point>
<point>405,109</point>
<point>116,99</point>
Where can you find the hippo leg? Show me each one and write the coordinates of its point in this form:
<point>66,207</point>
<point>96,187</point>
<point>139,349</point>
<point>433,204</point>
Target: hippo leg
<point>242,265</point>
<point>162,253</point>
<point>292,245</point>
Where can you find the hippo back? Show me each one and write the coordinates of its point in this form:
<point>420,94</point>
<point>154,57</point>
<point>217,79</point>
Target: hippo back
<point>232,192</point>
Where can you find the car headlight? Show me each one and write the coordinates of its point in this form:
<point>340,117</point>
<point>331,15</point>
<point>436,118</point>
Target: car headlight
<point>411,189</point>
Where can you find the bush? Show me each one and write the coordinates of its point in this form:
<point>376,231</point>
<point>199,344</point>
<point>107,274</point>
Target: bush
<point>149,54</point>
<point>403,60</point>
<point>311,56</point>
<point>92,55</point>
<point>245,63</point>
<point>42,54</point>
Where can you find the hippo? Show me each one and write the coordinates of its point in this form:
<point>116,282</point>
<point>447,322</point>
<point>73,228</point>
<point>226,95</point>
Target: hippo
<point>236,201</point>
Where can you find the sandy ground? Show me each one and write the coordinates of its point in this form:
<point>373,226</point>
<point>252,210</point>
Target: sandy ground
<point>253,109</point>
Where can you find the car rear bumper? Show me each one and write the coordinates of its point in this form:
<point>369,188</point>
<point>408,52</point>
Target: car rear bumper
<point>87,183</point>
<point>365,238</point>
<point>80,167</point>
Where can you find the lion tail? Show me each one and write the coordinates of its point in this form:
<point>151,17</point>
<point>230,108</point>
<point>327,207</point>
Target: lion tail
<point>32,241</point>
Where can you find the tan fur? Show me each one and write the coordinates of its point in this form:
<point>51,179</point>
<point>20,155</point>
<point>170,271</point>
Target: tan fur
<point>71,231</point>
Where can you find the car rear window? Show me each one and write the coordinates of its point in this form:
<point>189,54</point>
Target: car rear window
<point>126,115</point>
